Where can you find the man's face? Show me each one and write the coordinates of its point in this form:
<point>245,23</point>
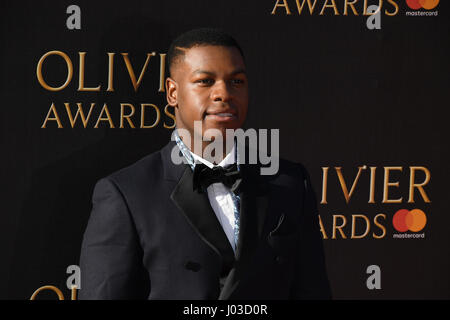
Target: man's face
<point>209,85</point>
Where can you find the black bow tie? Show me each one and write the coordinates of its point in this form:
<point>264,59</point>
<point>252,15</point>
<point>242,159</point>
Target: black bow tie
<point>204,176</point>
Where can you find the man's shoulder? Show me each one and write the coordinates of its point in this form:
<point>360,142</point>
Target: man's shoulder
<point>148,167</point>
<point>292,167</point>
<point>283,167</point>
<point>290,171</point>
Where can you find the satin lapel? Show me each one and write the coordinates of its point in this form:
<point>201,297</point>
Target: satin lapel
<point>253,212</point>
<point>254,205</point>
<point>200,215</point>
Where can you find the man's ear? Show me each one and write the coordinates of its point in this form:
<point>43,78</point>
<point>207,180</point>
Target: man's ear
<point>171,92</point>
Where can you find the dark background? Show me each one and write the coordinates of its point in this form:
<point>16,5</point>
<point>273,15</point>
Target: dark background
<point>341,95</point>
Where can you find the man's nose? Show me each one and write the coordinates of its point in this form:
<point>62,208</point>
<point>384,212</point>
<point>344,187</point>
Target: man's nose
<point>221,92</point>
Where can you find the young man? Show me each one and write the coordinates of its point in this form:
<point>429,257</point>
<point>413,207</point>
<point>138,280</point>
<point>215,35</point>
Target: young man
<point>196,230</point>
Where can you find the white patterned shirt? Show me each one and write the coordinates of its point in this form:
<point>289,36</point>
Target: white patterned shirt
<point>223,201</point>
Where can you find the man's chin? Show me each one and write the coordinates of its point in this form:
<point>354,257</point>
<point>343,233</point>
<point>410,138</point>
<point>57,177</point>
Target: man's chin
<point>220,129</point>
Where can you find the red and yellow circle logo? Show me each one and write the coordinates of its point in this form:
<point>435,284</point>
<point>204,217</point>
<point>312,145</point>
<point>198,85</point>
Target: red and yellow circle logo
<point>412,220</point>
<point>425,4</point>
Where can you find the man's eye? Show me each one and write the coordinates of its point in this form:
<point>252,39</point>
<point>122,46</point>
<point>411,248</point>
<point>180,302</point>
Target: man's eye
<point>205,81</point>
<point>237,81</point>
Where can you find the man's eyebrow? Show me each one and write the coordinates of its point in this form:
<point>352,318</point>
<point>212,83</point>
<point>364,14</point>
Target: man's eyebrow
<point>238,71</point>
<point>203,71</point>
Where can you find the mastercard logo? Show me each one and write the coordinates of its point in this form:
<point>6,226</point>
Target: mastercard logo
<point>419,4</point>
<point>412,220</point>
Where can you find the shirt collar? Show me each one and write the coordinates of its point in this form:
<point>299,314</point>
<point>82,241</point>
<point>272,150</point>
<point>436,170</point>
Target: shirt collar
<point>231,158</point>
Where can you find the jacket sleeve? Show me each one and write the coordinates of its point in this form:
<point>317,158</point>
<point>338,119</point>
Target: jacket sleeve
<point>311,280</point>
<point>111,256</point>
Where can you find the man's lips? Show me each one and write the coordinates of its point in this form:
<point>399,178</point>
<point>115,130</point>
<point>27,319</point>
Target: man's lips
<point>221,115</point>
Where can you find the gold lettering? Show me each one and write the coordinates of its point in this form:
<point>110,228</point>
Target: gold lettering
<point>110,71</point>
<point>324,185</point>
<point>372,185</point>
<point>162,72</point>
<point>135,82</point>
<point>80,111</point>
<point>336,227</point>
<point>74,293</point>
<point>310,6</point>
<point>354,216</point>
<point>388,184</point>
<point>395,6</point>
<point>332,5</point>
<point>352,6</point>
<point>158,115</point>
<point>81,79</point>
<point>52,109</point>
<point>170,115</point>
<point>69,70</point>
<point>122,116</point>
<point>52,288</point>
<point>347,194</point>
<point>57,291</point>
<point>419,186</point>
<point>375,221</point>
<point>322,229</point>
<point>284,5</point>
<point>108,117</point>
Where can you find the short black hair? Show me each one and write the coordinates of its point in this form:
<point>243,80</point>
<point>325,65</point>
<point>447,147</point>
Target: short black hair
<point>199,37</point>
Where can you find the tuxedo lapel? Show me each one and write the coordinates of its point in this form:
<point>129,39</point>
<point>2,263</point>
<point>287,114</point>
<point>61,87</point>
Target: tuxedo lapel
<point>253,211</point>
<point>196,208</point>
<point>200,215</point>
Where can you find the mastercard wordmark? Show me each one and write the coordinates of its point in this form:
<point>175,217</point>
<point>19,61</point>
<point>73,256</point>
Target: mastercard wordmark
<point>425,4</point>
<point>412,220</point>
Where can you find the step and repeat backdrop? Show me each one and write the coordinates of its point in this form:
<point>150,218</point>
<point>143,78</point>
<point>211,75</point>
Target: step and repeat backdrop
<point>358,89</point>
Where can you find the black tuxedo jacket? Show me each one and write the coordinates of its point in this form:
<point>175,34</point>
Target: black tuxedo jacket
<point>150,236</point>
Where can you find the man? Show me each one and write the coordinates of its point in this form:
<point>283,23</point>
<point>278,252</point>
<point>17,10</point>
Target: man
<point>196,230</point>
